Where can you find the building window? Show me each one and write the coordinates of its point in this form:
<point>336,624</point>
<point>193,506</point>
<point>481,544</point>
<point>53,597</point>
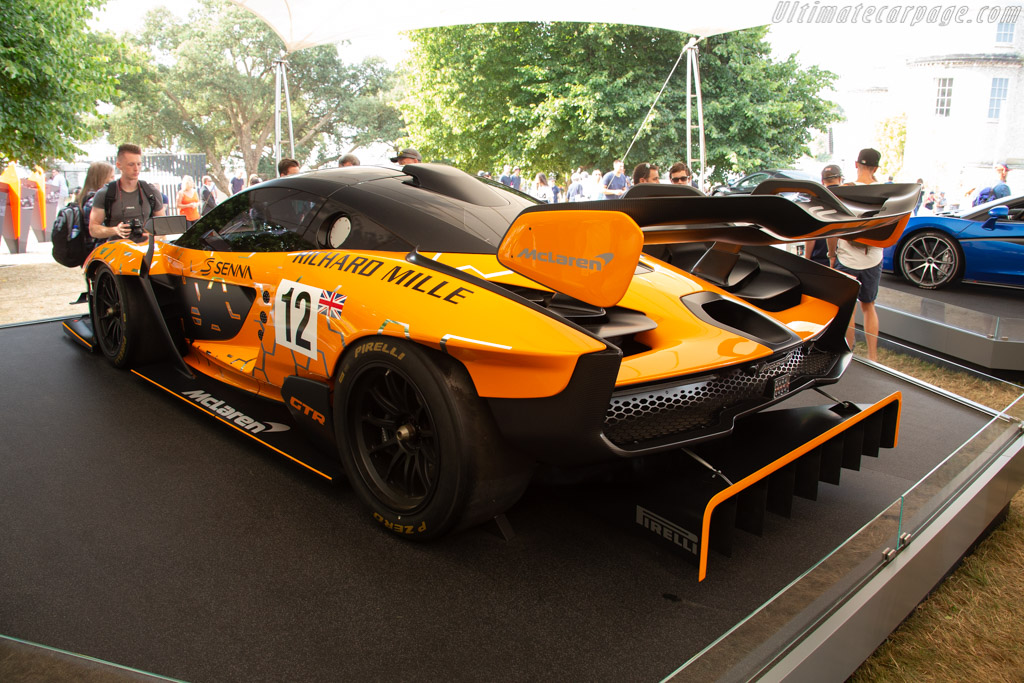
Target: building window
<point>1000,87</point>
<point>943,96</point>
<point>1004,32</point>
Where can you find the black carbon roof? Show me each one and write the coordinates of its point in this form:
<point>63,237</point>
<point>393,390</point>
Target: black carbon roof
<point>431,206</point>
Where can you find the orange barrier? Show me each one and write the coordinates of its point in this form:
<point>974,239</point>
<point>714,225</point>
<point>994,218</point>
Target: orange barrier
<point>11,223</point>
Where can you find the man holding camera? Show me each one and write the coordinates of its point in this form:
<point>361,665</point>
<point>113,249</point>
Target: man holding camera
<point>126,202</point>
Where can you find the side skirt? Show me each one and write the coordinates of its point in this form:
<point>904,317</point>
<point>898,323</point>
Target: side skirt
<point>262,420</point>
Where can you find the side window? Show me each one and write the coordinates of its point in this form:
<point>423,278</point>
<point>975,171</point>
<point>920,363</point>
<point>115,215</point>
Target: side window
<point>753,181</point>
<point>342,227</point>
<point>262,220</point>
<point>1016,211</point>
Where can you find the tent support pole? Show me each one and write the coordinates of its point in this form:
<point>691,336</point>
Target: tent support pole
<point>281,78</point>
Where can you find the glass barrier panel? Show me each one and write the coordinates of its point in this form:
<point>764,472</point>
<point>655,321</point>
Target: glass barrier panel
<point>1000,399</point>
<point>766,633</point>
<point>957,317</point>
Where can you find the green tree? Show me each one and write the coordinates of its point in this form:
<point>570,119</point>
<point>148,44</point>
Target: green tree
<point>892,139</point>
<point>207,85</point>
<point>559,95</point>
<point>53,71</point>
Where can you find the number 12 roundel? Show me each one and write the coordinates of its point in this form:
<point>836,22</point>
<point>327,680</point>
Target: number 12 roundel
<point>295,314</point>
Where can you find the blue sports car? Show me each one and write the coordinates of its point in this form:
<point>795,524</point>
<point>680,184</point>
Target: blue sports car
<point>983,244</point>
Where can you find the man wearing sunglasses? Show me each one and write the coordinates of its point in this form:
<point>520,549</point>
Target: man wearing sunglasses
<point>679,174</point>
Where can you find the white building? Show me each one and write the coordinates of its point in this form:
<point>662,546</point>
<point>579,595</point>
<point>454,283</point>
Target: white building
<point>965,110</point>
<point>959,86</point>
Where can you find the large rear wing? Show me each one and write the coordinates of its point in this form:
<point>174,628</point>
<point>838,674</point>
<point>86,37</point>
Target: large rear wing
<point>569,247</point>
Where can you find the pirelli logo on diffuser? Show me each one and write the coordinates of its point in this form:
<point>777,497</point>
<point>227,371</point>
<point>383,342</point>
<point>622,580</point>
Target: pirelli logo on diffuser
<point>668,530</point>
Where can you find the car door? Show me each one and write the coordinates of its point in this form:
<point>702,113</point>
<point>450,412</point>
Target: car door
<point>239,310</point>
<point>994,248</point>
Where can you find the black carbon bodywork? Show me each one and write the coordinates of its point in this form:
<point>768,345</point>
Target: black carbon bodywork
<point>214,310</point>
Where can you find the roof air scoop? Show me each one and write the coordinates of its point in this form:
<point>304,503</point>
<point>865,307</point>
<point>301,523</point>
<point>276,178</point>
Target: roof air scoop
<point>451,182</point>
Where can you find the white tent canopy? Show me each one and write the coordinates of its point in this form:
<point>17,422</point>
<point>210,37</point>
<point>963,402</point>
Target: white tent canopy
<point>307,23</point>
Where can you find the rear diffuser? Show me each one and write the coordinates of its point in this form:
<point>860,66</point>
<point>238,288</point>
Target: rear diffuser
<point>769,458</point>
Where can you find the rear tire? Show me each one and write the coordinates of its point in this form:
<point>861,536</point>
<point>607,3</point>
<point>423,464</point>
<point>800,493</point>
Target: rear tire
<point>123,324</point>
<point>930,260</point>
<point>417,443</point>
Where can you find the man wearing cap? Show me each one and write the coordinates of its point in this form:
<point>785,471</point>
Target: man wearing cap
<point>817,250</point>
<point>409,155</point>
<point>861,261</point>
<point>1001,189</point>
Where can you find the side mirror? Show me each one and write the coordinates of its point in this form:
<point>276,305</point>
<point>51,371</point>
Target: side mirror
<point>999,212</point>
<point>166,225</point>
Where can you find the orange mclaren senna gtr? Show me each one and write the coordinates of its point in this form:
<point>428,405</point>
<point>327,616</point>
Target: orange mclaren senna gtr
<point>439,334</point>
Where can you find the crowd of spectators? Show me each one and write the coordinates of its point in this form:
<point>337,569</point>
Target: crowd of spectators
<point>585,186</point>
<point>935,201</point>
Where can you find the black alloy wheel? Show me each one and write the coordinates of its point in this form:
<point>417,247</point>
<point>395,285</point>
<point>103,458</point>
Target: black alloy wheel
<point>419,446</point>
<point>108,315</point>
<point>123,323</point>
<point>396,443</point>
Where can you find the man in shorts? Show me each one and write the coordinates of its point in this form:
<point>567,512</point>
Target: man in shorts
<point>861,261</point>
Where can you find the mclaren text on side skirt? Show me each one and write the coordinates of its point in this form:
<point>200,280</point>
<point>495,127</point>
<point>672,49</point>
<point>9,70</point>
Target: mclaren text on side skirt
<point>229,414</point>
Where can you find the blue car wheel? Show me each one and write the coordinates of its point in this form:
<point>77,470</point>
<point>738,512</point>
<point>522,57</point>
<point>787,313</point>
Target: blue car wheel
<point>931,260</point>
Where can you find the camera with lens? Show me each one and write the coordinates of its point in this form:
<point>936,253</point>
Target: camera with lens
<point>136,225</point>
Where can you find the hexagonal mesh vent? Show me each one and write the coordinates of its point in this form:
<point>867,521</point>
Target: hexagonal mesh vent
<point>640,414</point>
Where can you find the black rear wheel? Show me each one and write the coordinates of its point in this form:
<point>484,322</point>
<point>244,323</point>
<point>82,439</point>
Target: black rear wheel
<point>417,443</point>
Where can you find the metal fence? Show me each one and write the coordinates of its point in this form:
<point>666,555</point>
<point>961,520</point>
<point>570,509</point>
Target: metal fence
<point>165,171</point>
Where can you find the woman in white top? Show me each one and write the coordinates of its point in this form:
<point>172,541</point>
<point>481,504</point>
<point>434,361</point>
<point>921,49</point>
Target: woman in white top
<point>541,189</point>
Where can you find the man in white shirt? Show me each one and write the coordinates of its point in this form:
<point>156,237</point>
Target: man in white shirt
<point>862,261</point>
<point>615,183</point>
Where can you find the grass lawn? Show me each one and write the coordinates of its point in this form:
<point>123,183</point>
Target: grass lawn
<point>971,628</point>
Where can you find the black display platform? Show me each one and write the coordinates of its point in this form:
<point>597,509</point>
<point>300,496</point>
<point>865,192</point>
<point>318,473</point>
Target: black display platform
<point>135,530</point>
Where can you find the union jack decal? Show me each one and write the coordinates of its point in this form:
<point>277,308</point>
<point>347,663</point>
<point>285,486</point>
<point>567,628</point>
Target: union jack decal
<point>331,303</point>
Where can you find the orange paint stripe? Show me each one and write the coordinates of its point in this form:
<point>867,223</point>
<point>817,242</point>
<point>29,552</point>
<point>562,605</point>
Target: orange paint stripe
<point>76,335</point>
<point>760,474</point>
<point>248,434</point>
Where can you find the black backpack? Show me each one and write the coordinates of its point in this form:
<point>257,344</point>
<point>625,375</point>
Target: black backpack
<point>986,195</point>
<point>70,236</point>
<point>209,200</point>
